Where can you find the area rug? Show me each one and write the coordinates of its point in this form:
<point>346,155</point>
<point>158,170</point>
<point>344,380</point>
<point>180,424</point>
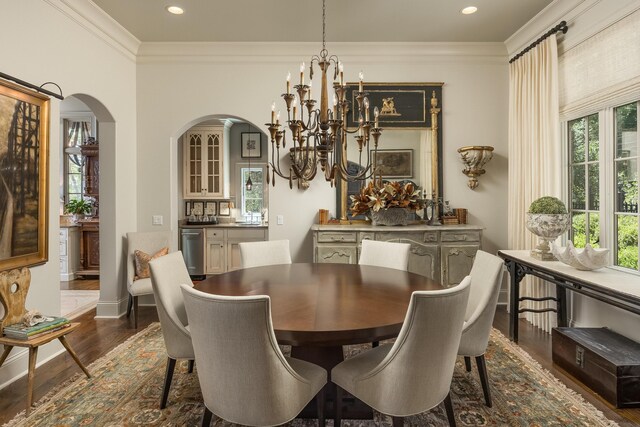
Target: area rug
<point>73,303</point>
<point>127,384</point>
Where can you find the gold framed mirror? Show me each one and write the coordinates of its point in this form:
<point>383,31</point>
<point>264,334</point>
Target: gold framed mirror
<point>418,134</point>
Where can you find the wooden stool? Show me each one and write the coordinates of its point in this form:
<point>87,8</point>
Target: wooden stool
<point>14,286</point>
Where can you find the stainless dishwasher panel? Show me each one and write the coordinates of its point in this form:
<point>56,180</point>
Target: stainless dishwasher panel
<point>192,246</point>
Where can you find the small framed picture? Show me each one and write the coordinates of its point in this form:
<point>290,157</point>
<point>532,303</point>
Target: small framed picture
<point>251,147</point>
<point>187,208</point>
<point>198,208</point>
<point>224,208</point>
<point>210,208</point>
<point>393,163</point>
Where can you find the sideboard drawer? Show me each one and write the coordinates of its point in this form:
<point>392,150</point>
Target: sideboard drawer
<point>337,237</point>
<point>430,237</point>
<point>461,236</point>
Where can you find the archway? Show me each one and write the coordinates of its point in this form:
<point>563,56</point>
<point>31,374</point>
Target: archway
<point>107,213</point>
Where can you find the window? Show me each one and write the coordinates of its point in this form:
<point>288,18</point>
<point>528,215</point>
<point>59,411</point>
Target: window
<point>626,182</point>
<point>76,131</point>
<point>252,200</point>
<point>609,219</point>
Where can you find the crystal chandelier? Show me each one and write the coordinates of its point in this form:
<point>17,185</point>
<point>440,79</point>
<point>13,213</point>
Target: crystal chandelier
<point>319,136</point>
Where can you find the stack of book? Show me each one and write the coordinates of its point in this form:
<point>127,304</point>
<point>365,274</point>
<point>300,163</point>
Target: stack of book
<point>20,331</point>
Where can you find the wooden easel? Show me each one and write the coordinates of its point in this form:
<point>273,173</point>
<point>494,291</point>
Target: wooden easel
<point>14,286</point>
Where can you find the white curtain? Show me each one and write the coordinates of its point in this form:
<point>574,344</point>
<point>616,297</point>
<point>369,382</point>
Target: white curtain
<point>534,157</point>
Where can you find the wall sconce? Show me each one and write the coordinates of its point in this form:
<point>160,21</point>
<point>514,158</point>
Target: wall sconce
<point>474,158</point>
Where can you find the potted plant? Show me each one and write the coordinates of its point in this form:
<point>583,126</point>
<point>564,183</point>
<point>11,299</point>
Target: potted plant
<point>547,218</point>
<point>78,208</point>
<point>388,204</point>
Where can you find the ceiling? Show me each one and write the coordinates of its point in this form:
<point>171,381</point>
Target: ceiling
<point>301,20</point>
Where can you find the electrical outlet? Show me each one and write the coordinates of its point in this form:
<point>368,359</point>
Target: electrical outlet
<point>280,219</point>
<point>157,220</point>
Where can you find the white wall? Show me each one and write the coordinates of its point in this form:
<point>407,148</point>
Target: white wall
<point>242,80</point>
<point>48,41</point>
<point>599,65</point>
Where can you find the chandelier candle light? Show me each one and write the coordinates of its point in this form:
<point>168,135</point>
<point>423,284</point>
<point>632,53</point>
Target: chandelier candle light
<point>318,136</point>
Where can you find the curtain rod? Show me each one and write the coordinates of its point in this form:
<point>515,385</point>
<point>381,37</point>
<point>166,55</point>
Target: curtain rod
<point>34,87</point>
<point>562,26</point>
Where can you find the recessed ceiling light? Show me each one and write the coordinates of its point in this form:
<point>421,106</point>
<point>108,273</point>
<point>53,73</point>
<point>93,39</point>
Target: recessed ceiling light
<point>176,10</point>
<point>469,10</point>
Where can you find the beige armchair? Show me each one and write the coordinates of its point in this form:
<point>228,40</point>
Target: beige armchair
<point>244,377</point>
<point>486,278</point>
<point>256,254</point>
<point>385,254</point>
<point>413,374</point>
<point>167,274</point>
<point>149,243</point>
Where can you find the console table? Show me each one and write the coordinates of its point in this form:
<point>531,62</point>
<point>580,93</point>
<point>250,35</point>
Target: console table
<point>611,286</point>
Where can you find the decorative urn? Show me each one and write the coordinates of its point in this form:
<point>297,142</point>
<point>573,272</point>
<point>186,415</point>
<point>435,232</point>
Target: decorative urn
<point>547,218</point>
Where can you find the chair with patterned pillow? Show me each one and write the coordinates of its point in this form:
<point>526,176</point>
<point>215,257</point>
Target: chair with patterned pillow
<point>142,247</point>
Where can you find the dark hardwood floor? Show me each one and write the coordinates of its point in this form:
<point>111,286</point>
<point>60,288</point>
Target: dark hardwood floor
<point>81,285</point>
<point>97,337</point>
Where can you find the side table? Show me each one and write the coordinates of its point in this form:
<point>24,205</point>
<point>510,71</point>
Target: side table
<point>33,345</point>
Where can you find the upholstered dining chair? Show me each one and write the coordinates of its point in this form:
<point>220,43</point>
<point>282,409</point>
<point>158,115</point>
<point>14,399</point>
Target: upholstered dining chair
<point>486,278</point>
<point>256,254</point>
<point>385,254</point>
<point>167,274</point>
<point>148,244</point>
<point>413,374</point>
<point>244,377</point>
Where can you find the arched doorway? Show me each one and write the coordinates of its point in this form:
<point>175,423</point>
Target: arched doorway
<point>91,124</point>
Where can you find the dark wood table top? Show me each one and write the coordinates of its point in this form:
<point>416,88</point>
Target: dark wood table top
<point>327,304</point>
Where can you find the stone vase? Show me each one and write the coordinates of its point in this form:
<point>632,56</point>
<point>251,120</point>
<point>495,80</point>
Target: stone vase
<point>391,216</point>
<point>547,227</point>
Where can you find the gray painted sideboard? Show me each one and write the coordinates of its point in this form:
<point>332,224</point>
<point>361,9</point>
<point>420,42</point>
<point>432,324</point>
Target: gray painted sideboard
<point>444,253</point>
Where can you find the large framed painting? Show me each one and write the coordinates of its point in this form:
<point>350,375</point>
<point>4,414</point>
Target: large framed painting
<point>24,186</point>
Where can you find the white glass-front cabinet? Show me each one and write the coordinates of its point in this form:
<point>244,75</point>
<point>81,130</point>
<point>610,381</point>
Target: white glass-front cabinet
<point>204,174</point>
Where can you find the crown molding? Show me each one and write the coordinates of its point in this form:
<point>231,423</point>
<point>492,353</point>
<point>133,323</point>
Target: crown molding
<point>277,52</point>
<point>89,16</point>
<point>584,18</point>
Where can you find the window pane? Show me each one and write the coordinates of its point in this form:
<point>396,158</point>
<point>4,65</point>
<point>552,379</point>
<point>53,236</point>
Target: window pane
<point>627,253</point>
<point>627,185</point>
<point>75,184</point>
<point>579,229</point>
<point>577,187</point>
<point>594,187</point>
<point>576,140</point>
<point>594,138</point>
<point>594,229</point>
<point>626,130</point>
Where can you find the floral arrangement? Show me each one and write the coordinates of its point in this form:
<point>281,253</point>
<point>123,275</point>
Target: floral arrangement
<point>376,196</point>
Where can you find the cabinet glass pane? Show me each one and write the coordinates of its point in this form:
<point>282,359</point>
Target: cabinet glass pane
<point>627,250</point>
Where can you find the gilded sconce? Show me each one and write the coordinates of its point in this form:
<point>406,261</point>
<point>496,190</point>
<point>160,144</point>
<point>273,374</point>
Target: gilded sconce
<point>474,158</point>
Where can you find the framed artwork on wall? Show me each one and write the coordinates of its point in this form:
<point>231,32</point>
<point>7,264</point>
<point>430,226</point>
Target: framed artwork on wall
<point>198,208</point>
<point>224,208</point>
<point>24,176</point>
<point>393,163</point>
<point>251,146</point>
<point>210,208</point>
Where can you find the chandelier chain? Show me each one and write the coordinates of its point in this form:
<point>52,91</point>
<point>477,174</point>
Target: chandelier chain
<point>324,14</point>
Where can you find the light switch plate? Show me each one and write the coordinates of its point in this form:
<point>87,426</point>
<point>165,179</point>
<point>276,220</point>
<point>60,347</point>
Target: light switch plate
<point>157,220</point>
<point>280,219</point>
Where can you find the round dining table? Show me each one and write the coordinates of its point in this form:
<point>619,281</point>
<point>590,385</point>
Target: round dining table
<point>318,308</point>
<point>327,305</point>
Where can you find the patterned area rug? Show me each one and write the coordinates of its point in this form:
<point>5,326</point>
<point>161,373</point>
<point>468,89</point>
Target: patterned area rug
<point>126,386</point>
<point>73,303</point>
